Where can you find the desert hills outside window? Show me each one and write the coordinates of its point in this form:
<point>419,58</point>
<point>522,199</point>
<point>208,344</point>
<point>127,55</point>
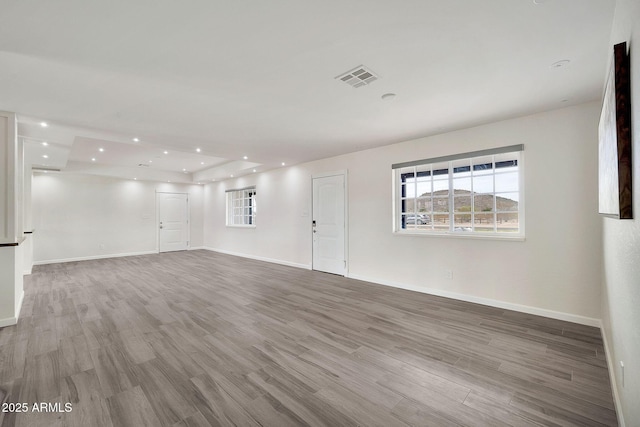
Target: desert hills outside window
<point>478,193</point>
<point>241,207</point>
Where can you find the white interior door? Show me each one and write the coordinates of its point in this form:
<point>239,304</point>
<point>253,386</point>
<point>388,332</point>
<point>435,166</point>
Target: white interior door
<point>329,224</point>
<point>173,222</point>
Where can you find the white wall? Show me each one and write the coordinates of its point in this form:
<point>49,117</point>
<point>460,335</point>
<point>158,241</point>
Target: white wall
<point>556,268</point>
<point>85,216</point>
<point>280,234</point>
<point>621,284</point>
<point>11,208</point>
<point>11,282</point>
<point>11,170</point>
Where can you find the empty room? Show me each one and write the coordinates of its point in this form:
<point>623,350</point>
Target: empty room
<point>285,213</point>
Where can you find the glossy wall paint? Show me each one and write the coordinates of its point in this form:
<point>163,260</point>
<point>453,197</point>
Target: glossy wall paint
<point>621,279</point>
<point>554,271</point>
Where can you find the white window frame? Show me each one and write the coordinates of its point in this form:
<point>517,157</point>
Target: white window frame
<point>241,207</point>
<point>516,150</point>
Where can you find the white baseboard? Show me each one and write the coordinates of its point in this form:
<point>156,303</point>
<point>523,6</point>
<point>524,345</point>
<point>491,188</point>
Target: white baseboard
<point>259,258</point>
<point>88,258</point>
<point>486,301</point>
<point>9,321</point>
<point>19,305</point>
<point>589,321</point>
<point>196,248</point>
<point>614,386</point>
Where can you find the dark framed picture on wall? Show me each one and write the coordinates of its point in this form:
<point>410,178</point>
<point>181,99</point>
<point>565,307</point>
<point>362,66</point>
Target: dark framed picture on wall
<point>614,145</point>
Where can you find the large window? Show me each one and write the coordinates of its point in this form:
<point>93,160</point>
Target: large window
<point>478,193</point>
<point>241,207</point>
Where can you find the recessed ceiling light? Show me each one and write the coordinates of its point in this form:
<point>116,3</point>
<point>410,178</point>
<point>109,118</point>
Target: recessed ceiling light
<point>45,143</point>
<point>254,170</point>
<point>165,152</point>
<point>202,163</point>
<point>135,179</point>
<point>245,157</point>
<point>136,139</point>
<point>44,124</point>
<point>45,156</point>
<point>101,150</point>
<point>150,161</point>
<point>168,181</point>
<point>198,150</point>
<point>93,159</point>
<point>388,96</point>
<point>561,63</point>
<point>283,163</point>
<point>45,171</point>
<point>231,175</point>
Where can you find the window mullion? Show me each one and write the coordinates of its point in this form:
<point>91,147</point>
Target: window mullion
<point>433,219</point>
<point>246,207</point>
<point>473,199</point>
<point>403,201</point>
<point>450,196</point>
<point>495,202</point>
<point>415,196</point>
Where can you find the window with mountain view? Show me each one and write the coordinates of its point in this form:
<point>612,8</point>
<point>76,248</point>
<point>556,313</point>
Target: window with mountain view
<point>472,193</point>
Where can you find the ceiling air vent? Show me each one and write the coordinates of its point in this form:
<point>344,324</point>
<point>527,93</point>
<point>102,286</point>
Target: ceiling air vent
<point>142,165</point>
<point>359,76</point>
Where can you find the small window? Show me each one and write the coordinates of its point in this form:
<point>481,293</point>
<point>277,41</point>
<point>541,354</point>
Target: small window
<point>477,193</point>
<point>241,207</point>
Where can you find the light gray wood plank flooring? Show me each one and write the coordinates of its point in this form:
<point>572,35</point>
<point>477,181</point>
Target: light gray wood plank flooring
<point>199,338</point>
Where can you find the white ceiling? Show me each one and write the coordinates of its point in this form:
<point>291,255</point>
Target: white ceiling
<point>257,78</point>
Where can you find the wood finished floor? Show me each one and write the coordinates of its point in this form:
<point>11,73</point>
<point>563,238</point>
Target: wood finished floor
<point>199,338</point>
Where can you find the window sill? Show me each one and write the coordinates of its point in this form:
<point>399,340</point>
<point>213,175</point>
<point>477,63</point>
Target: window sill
<point>240,226</point>
<point>501,237</point>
